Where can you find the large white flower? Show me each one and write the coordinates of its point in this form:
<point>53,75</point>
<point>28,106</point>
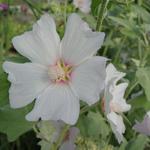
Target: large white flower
<point>144,126</point>
<point>114,102</point>
<point>83,5</point>
<point>60,72</point>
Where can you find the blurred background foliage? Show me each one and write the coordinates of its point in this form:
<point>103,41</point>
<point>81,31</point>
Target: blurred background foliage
<point>127,44</point>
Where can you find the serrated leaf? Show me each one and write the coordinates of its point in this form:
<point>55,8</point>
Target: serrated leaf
<point>13,123</point>
<point>143,76</point>
<point>93,125</point>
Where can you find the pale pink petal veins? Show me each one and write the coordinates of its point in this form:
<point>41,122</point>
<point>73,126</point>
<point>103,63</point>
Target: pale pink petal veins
<point>42,44</point>
<point>57,102</point>
<point>28,81</point>
<point>79,42</point>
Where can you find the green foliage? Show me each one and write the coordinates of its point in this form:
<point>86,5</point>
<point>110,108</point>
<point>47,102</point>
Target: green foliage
<point>137,143</point>
<point>127,45</point>
<point>44,145</point>
<point>143,76</point>
<point>13,123</point>
<point>96,126</point>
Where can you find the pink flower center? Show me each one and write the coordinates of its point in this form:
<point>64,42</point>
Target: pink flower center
<point>60,72</point>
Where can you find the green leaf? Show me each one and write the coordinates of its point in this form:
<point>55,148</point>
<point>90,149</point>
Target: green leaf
<point>140,11</point>
<point>4,87</point>
<point>13,123</point>
<point>46,130</point>
<point>125,23</point>
<point>140,102</point>
<point>143,76</point>
<point>93,125</point>
<point>138,143</point>
<point>44,145</point>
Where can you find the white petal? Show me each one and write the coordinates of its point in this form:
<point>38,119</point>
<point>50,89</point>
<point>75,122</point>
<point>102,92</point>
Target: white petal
<point>117,125</point>
<point>68,145</point>
<point>83,5</point>
<point>112,74</point>
<point>41,45</point>
<point>118,103</point>
<point>57,102</point>
<point>79,42</point>
<point>28,81</point>
<point>88,79</point>
<point>144,126</point>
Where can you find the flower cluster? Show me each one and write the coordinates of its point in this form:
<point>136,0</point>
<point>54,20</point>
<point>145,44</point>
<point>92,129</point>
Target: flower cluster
<point>63,72</point>
<point>114,102</point>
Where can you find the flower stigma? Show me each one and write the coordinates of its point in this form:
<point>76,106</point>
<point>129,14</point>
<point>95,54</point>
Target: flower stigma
<point>60,72</point>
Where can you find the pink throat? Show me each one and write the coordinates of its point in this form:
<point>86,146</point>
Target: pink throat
<point>60,72</point>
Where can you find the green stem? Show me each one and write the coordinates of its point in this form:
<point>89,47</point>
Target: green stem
<point>119,50</point>
<point>133,85</point>
<point>106,47</point>
<point>33,8</point>
<point>60,139</point>
<point>101,14</point>
<point>86,108</point>
<point>65,11</point>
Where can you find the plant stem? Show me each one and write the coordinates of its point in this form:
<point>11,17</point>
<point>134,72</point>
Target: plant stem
<point>133,85</point>
<point>33,8</point>
<point>119,50</point>
<point>106,47</point>
<point>86,108</point>
<point>65,11</point>
<point>101,14</point>
<point>56,145</point>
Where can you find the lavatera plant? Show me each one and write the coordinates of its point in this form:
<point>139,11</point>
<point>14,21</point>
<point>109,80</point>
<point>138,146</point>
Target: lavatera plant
<point>61,73</point>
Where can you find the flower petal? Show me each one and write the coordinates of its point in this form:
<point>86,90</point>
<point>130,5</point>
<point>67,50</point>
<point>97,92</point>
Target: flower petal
<point>112,75</point>
<point>118,103</point>
<point>117,125</point>
<point>28,81</point>
<point>57,102</point>
<point>79,42</point>
<point>88,79</point>
<point>144,126</point>
<point>41,45</point>
<point>84,5</point>
<point>68,145</point>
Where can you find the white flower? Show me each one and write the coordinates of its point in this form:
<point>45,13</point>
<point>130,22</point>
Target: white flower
<point>60,72</point>
<point>144,126</point>
<point>83,5</point>
<point>114,102</point>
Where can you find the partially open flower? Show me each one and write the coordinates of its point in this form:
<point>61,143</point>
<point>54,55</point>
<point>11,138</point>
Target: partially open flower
<point>60,72</point>
<point>83,5</point>
<point>114,102</point>
<point>144,126</point>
